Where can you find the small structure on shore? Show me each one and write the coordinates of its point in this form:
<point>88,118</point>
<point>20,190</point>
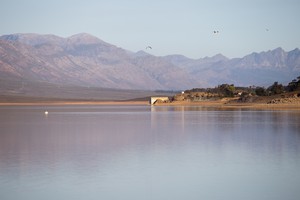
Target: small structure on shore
<point>154,100</point>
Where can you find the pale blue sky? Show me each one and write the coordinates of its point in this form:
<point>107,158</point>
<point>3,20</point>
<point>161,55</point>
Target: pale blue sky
<point>169,26</point>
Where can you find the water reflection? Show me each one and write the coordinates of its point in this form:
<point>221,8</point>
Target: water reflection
<point>143,152</point>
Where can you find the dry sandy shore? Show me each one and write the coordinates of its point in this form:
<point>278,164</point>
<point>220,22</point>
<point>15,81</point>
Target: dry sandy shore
<point>215,104</point>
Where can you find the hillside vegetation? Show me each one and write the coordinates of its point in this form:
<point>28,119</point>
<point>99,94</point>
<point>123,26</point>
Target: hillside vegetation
<point>274,94</point>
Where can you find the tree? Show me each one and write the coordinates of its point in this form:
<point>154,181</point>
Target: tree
<point>276,89</point>
<point>294,85</point>
<point>260,91</point>
<point>227,90</point>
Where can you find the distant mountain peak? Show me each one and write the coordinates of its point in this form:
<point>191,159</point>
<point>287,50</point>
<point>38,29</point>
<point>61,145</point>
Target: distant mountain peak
<point>278,49</point>
<point>32,38</point>
<point>84,38</point>
<point>296,50</point>
<point>11,37</point>
<point>216,58</point>
<point>220,56</point>
<point>141,53</point>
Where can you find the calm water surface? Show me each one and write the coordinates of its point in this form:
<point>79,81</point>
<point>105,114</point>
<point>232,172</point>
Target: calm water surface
<point>148,153</point>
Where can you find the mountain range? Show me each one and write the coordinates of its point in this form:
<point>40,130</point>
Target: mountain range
<point>85,60</point>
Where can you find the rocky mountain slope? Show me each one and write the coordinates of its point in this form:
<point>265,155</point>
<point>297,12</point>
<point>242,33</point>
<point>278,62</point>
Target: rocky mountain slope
<point>255,69</point>
<point>84,60</point>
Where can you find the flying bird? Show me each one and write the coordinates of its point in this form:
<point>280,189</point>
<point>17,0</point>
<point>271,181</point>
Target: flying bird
<point>215,32</point>
<point>148,47</point>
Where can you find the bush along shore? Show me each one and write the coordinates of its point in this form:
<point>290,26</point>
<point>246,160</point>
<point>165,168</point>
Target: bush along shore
<point>229,94</point>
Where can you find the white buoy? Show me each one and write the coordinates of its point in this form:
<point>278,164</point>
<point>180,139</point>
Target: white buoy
<point>46,112</point>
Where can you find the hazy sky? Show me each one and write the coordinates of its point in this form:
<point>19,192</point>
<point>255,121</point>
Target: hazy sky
<point>169,26</point>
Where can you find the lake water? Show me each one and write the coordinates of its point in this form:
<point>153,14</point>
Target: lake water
<point>148,153</point>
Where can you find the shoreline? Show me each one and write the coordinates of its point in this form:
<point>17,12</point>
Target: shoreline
<point>215,104</point>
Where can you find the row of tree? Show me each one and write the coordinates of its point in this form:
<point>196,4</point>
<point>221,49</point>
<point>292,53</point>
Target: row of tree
<point>277,88</point>
<point>224,90</point>
<point>229,90</point>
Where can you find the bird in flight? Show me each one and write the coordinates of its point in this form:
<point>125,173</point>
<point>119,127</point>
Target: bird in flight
<point>148,47</point>
<point>215,32</point>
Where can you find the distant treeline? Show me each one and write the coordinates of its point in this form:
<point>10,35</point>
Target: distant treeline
<point>229,90</point>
